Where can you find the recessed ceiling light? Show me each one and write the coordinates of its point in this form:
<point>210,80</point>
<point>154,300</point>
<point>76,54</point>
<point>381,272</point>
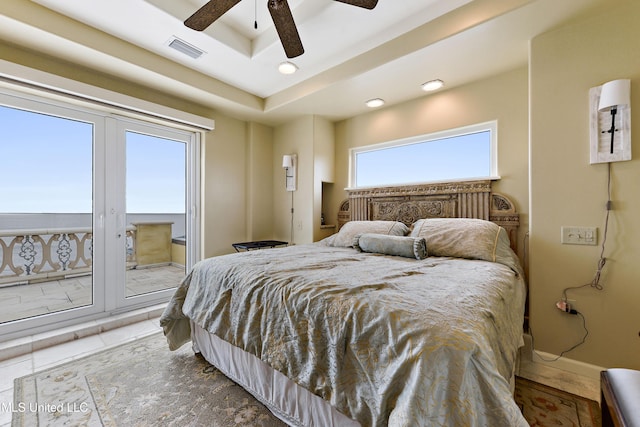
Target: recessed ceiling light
<point>432,85</point>
<point>375,103</point>
<point>287,67</point>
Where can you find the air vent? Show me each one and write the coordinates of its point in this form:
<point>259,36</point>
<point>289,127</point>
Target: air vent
<point>186,48</point>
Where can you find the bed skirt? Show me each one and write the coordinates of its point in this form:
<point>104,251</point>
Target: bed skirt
<point>293,404</point>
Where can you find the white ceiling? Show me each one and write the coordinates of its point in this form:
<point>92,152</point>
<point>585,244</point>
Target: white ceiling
<point>351,54</point>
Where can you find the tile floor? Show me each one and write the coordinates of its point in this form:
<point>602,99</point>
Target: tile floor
<point>50,356</point>
<point>23,301</point>
<point>115,331</point>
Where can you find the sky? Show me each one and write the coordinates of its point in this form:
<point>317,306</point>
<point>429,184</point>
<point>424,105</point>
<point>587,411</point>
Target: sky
<point>155,174</point>
<point>465,156</point>
<point>46,167</point>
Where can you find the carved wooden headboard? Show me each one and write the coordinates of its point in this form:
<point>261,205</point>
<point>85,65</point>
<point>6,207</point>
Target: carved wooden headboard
<point>408,203</point>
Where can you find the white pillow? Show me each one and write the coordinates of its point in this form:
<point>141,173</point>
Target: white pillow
<point>344,238</point>
<point>462,237</point>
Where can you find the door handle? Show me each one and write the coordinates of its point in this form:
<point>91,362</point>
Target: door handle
<point>120,225</point>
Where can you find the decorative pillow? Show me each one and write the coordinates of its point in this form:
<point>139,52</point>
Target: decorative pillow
<point>409,247</point>
<point>344,237</point>
<point>462,238</point>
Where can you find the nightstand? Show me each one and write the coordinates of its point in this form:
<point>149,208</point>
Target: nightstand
<point>259,244</point>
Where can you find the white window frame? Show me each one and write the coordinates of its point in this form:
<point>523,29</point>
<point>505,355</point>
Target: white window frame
<point>105,120</point>
<point>32,103</point>
<point>491,126</point>
<point>118,187</point>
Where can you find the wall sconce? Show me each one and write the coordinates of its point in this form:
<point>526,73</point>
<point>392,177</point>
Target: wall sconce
<point>290,163</point>
<point>611,122</point>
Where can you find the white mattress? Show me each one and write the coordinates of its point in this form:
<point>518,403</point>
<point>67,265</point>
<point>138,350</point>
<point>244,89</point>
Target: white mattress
<point>285,399</point>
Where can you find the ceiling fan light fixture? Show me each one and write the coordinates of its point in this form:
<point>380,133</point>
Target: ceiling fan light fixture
<point>287,67</point>
<point>432,85</point>
<point>375,103</point>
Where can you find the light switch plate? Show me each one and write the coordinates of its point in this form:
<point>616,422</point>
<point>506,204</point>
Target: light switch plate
<point>579,235</point>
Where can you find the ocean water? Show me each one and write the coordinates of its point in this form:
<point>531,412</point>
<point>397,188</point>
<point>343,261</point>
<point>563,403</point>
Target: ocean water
<point>47,221</point>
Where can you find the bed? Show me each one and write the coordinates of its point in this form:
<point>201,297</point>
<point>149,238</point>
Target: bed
<point>411,314</point>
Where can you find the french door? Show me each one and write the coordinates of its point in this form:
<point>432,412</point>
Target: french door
<point>152,211</point>
<point>98,213</point>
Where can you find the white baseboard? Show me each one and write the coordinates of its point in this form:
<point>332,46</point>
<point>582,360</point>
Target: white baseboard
<point>574,366</point>
<point>569,365</point>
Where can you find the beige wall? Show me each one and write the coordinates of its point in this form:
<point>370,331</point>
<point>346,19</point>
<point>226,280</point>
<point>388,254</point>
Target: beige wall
<point>323,171</point>
<point>38,61</point>
<point>312,139</point>
<point>567,190</point>
<point>238,190</point>
<point>224,183</point>
<point>502,98</point>
<point>260,178</point>
<point>295,137</point>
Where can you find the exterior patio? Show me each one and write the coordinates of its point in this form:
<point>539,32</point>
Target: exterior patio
<point>22,301</point>
<point>46,270</point>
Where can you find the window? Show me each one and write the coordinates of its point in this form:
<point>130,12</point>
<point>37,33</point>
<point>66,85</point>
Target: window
<point>98,212</point>
<point>457,154</point>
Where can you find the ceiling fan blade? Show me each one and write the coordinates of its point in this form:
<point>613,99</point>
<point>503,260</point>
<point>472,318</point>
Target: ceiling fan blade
<point>367,4</point>
<point>286,27</point>
<point>208,13</point>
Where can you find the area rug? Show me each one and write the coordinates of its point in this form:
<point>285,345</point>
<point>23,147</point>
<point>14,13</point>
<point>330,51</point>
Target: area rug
<point>546,406</point>
<point>142,383</point>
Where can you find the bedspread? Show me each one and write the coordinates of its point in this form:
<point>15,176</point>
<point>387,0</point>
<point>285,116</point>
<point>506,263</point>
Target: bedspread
<point>386,340</point>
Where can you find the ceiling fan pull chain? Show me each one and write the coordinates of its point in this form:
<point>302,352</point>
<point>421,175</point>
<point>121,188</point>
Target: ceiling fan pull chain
<point>255,14</point>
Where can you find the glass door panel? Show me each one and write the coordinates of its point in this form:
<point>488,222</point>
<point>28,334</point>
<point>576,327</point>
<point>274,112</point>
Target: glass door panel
<point>156,223</point>
<point>46,214</point>
<point>96,213</point>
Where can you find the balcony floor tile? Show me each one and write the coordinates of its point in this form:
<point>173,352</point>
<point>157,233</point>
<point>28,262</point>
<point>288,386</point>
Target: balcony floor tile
<point>22,301</point>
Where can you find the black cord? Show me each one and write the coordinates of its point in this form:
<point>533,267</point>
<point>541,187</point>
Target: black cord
<point>584,338</point>
<point>595,282</point>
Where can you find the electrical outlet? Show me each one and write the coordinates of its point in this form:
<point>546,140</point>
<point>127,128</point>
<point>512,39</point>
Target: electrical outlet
<point>579,235</point>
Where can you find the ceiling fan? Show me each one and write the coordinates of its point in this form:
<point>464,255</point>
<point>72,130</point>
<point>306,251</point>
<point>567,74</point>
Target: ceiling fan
<point>280,14</point>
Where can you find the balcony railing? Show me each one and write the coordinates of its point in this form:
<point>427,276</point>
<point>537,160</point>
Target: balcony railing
<point>28,256</point>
